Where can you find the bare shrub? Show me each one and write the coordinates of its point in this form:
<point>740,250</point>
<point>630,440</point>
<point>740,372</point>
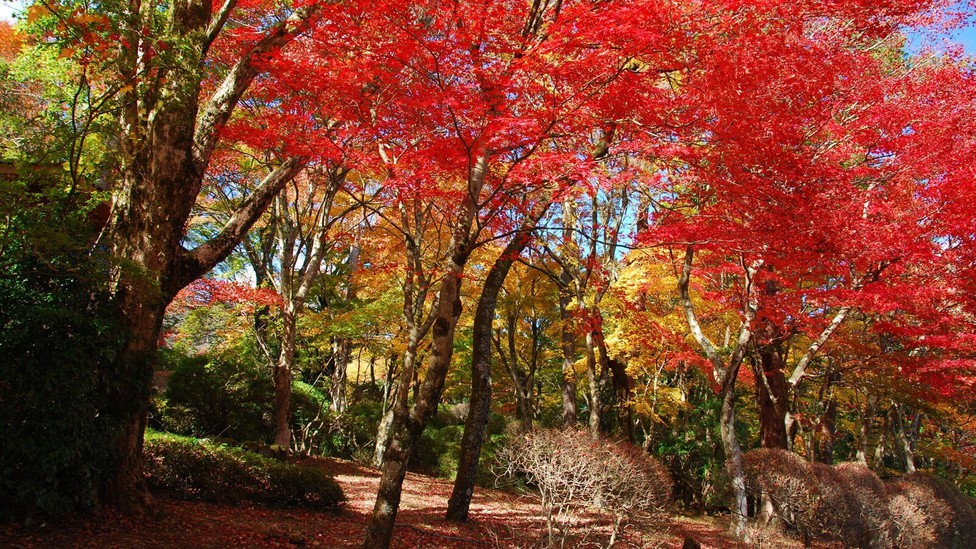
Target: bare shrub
<point>850,504</point>
<point>847,503</point>
<point>871,500</point>
<point>839,509</point>
<point>787,480</point>
<point>928,511</point>
<point>574,472</point>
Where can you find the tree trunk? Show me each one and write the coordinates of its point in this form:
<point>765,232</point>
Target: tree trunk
<point>901,439</point>
<point>593,378</point>
<point>568,348</point>
<point>771,396</point>
<point>480,399</point>
<point>733,456</point>
<point>408,424</point>
<point>167,138</point>
<point>282,377</point>
<point>622,390</point>
<point>864,437</point>
<point>341,351</point>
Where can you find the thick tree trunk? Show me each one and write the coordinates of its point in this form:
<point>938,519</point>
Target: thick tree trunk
<point>771,397</point>
<point>146,247</point>
<point>166,149</point>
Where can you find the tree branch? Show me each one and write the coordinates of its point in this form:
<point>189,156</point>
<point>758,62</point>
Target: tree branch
<point>194,263</point>
<point>215,113</point>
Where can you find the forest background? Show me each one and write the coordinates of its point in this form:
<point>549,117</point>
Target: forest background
<point>411,235</point>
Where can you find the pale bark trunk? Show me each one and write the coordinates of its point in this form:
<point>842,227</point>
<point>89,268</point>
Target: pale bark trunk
<point>568,348</point>
<point>593,379</point>
<point>733,457</point>
<point>341,351</point>
<point>725,373</point>
<point>901,439</point>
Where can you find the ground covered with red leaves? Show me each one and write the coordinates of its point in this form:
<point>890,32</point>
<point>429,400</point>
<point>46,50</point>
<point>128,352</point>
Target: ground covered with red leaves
<point>497,519</point>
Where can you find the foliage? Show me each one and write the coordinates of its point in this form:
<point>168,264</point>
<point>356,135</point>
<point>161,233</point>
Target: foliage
<point>192,469</point>
<point>216,396</point>
<point>59,336</point>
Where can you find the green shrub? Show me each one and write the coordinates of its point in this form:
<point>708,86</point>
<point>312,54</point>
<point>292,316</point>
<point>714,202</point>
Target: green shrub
<point>213,396</point>
<point>191,469</point>
<point>58,340</point>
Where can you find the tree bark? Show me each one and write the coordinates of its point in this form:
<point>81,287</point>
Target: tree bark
<point>622,390</point>
<point>408,424</point>
<point>480,399</point>
<point>896,419</point>
<point>864,436</point>
<point>725,373</point>
<point>282,377</point>
<point>771,396</point>
<point>166,149</point>
<point>733,455</point>
<point>593,381</point>
<point>568,348</point>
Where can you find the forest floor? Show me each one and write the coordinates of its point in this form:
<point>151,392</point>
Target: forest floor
<point>497,519</point>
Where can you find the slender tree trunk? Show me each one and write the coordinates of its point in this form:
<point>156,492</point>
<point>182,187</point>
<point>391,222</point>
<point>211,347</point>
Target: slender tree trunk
<point>568,348</point>
<point>341,351</point>
<point>864,436</point>
<point>622,390</point>
<point>593,379</point>
<point>901,439</point>
<point>282,377</point>
<point>733,456</point>
<point>384,432</point>
<point>480,399</point>
<point>408,424</point>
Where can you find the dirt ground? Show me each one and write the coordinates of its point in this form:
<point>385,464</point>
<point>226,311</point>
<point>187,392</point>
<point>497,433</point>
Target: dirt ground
<point>497,519</point>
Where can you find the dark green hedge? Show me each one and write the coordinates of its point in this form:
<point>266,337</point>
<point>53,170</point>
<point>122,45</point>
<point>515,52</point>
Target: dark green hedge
<point>192,469</point>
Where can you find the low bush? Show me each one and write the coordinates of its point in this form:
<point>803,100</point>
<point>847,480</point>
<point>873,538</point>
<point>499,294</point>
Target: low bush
<point>873,521</point>
<point>850,504</point>
<point>214,396</point>
<point>188,468</point>
<point>573,471</point>
<point>789,483</point>
<point>928,511</point>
